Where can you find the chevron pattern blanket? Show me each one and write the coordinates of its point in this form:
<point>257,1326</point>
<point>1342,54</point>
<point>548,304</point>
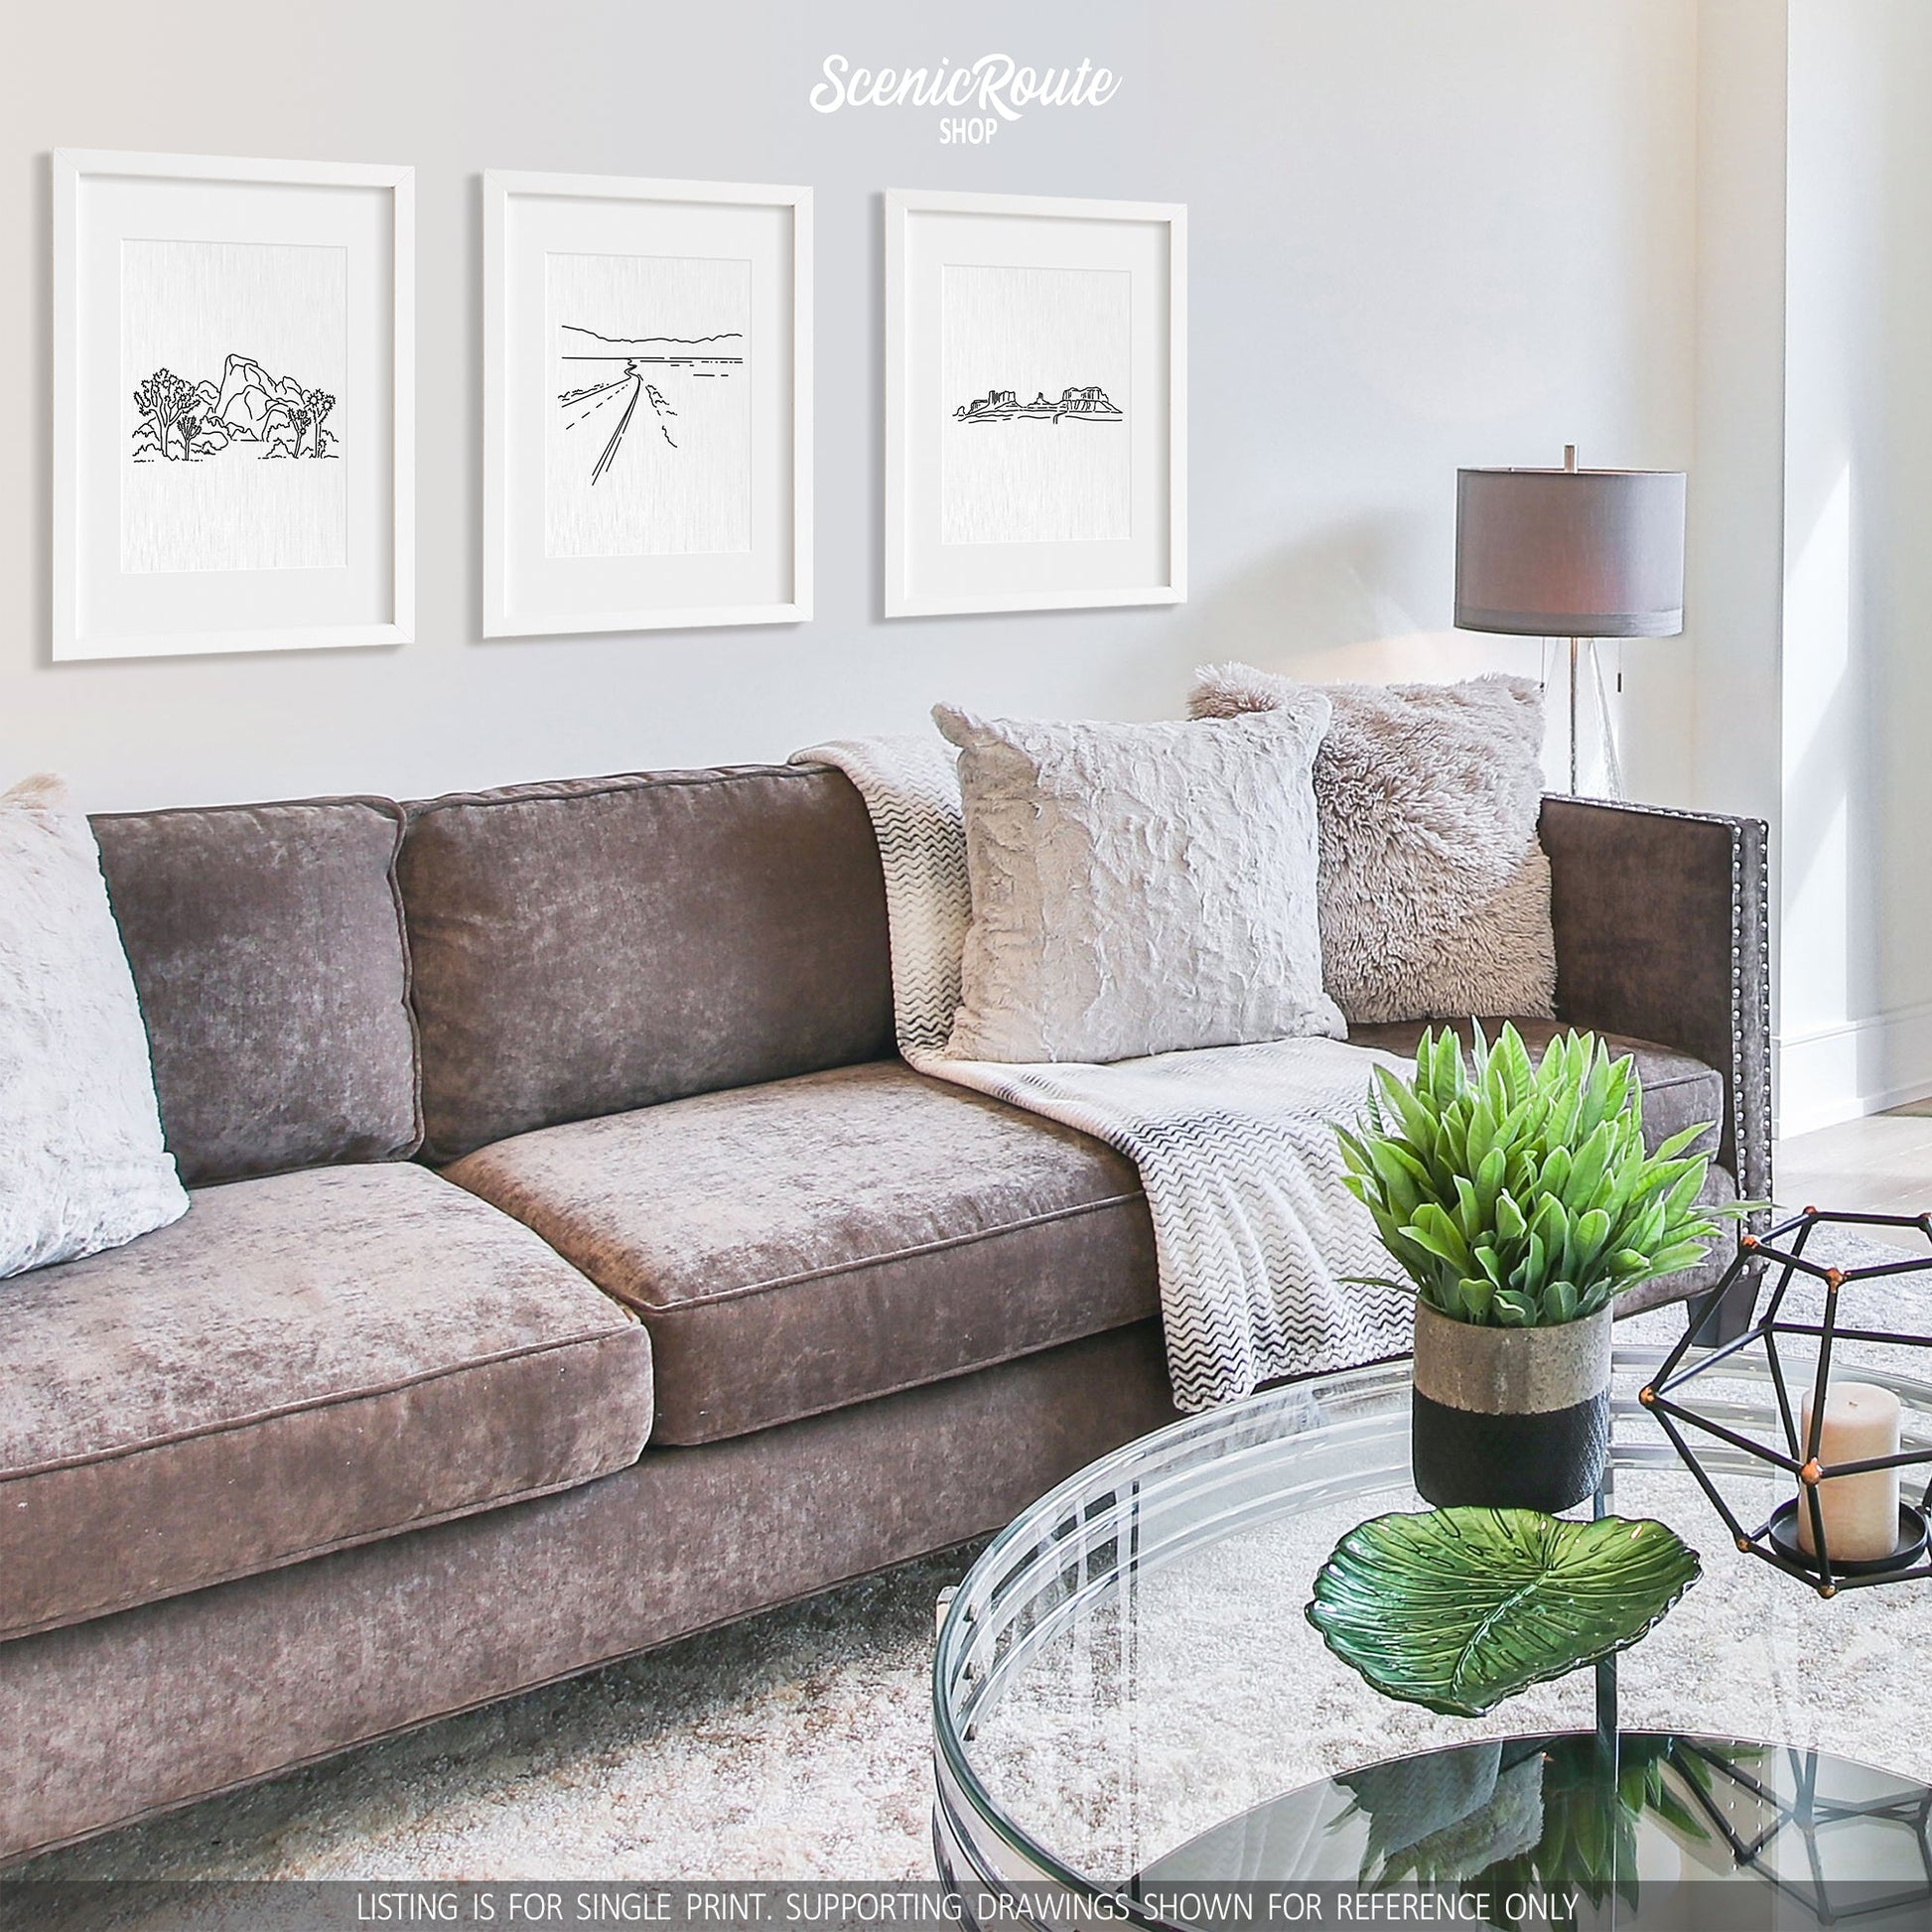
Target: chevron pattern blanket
<point>1259,1243</point>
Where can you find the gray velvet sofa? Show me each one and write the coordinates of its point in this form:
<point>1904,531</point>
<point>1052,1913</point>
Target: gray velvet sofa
<point>573,1266</point>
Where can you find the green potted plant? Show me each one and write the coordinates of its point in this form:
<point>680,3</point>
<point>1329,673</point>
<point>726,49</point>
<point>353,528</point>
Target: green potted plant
<point>1519,1204</point>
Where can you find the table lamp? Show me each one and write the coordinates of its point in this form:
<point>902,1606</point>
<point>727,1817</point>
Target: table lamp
<point>1570,553</point>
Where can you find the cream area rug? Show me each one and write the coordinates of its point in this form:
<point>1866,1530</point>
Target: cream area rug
<point>796,1744</point>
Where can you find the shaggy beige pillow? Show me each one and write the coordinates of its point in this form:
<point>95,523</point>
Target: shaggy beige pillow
<point>1138,889</point>
<point>1434,892</point>
<point>82,1166</point>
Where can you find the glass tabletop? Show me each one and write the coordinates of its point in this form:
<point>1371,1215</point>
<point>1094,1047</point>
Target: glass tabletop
<point>1127,1686</point>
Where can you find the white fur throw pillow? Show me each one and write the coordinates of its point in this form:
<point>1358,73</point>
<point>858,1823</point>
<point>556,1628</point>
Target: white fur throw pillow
<point>1138,889</point>
<point>82,1166</point>
<point>1434,892</point>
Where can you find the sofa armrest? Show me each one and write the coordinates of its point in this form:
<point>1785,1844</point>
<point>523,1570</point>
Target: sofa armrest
<point>1662,932</point>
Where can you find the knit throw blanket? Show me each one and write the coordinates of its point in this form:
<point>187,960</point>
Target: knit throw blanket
<point>1259,1243</point>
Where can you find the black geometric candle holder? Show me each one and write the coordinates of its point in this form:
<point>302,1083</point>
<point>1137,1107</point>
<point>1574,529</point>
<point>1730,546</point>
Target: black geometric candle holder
<point>1776,1538</point>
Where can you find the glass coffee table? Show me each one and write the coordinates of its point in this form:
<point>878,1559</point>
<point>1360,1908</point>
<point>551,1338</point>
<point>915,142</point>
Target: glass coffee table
<point>1129,1699</point>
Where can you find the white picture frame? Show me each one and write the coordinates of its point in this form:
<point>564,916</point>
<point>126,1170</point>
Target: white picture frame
<point>263,496</point>
<point>670,487</point>
<point>1072,300</point>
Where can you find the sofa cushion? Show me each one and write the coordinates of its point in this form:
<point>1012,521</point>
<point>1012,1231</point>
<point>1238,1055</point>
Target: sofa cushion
<point>267,948</point>
<point>1434,892</point>
<point>598,944</point>
<point>83,1166</point>
<point>817,1241</point>
<point>300,1363</point>
<point>1138,889</point>
<point>1677,1090</point>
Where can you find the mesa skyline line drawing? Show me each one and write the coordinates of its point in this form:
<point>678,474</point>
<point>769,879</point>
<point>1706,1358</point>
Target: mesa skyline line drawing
<point>1090,404</point>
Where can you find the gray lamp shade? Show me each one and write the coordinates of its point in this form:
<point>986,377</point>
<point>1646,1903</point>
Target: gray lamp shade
<point>1570,553</point>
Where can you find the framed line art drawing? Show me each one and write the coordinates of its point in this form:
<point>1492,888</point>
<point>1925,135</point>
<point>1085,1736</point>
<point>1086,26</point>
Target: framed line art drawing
<point>1036,403</point>
<point>233,404</point>
<point>648,404</point>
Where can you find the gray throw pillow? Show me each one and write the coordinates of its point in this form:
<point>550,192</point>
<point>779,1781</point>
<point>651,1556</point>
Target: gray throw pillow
<point>1138,889</point>
<point>82,1166</point>
<point>1434,892</point>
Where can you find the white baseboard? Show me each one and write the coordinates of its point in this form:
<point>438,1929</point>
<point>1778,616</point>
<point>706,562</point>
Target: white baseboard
<point>1840,1073</point>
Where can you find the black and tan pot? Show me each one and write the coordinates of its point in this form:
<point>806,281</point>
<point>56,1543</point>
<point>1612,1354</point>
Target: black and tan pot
<point>1510,1418</point>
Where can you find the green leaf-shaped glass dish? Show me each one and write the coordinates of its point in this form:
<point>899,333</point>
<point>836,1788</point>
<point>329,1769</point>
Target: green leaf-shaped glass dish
<point>1460,1609</point>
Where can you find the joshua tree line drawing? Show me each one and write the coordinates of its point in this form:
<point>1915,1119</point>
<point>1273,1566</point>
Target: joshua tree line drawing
<point>182,420</point>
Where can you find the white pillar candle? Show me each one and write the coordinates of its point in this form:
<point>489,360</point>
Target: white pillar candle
<point>1860,1512</point>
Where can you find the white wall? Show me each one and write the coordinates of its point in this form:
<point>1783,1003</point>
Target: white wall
<point>1734,540</point>
<point>1856,1017</point>
<point>1809,563</point>
<point>1423,234</point>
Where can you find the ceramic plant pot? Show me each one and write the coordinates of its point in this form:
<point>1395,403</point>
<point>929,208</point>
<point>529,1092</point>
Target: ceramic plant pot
<point>1510,1418</point>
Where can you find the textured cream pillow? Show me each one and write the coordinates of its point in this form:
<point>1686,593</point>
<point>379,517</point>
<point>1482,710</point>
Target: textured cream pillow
<point>1138,888</point>
<point>82,1166</point>
<point>1434,892</point>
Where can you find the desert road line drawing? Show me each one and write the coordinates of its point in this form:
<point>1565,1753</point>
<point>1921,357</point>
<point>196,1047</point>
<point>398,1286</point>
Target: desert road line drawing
<point>585,405</point>
<point>592,408</point>
<point>1089,405</point>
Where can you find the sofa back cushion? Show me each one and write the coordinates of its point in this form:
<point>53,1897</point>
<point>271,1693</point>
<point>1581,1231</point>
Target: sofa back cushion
<point>268,953</point>
<point>598,944</point>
